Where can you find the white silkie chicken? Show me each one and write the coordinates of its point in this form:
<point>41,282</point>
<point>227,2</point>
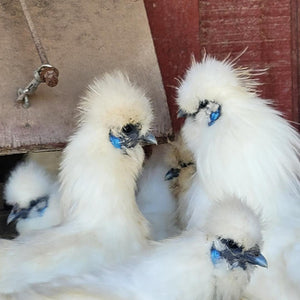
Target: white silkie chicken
<point>154,197</point>
<point>244,147</point>
<point>215,263</point>
<point>34,197</point>
<point>101,222</point>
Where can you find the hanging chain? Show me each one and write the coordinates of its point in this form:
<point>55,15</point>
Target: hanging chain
<point>45,73</point>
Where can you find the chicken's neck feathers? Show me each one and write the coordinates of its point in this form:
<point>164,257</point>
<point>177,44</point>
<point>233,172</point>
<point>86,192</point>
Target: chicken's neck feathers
<point>98,189</point>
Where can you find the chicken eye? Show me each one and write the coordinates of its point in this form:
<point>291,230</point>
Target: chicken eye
<point>203,104</point>
<point>183,164</point>
<point>255,250</point>
<point>231,244</point>
<point>127,129</point>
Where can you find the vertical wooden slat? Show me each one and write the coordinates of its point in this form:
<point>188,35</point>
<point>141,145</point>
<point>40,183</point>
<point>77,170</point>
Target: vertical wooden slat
<point>174,26</point>
<point>295,56</point>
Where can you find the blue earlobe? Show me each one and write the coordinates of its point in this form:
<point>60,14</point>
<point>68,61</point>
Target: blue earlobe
<point>215,255</point>
<point>214,116</point>
<point>116,142</point>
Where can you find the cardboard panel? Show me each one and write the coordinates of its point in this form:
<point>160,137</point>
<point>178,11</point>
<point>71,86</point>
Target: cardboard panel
<point>83,39</point>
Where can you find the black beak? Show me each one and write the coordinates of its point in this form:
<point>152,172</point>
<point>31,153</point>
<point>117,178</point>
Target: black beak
<point>16,213</point>
<point>181,114</point>
<point>237,257</point>
<point>258,260</point>
<point>172,173</point>
<point>149,139</point>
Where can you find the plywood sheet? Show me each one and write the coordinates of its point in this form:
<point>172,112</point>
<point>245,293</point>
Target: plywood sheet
<point>83,39</point>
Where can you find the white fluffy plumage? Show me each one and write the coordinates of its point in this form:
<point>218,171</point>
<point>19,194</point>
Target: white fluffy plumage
<point>29,182</point>
<point>178,268</point>
<point>154,198</point>
<point>244,147</point>
<point>101,222</point>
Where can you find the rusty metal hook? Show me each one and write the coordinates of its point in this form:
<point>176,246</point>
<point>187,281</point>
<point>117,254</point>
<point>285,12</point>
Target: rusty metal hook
<point>45,73</point>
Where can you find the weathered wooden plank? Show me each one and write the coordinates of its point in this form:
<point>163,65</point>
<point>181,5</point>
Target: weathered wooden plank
<point>82,39</point>
<point>228,26</point>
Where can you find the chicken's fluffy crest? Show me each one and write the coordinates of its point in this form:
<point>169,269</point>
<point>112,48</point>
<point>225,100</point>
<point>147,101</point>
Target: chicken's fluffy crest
<point>97,112</point>
<point>234,219</point>
<point>212,79</point>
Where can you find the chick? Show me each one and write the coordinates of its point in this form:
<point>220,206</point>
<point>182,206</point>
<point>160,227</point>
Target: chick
<point>244,147</point>
<point>34,197</point>
<point>101,223</point>
<point>180,175</point>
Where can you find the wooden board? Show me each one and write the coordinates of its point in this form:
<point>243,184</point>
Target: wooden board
<point>295,55</point>
<point>270,31</point>
<point>83,39</point>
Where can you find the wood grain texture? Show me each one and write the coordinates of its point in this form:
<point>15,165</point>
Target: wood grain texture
<point>265,27</point>
<point>83,39</point>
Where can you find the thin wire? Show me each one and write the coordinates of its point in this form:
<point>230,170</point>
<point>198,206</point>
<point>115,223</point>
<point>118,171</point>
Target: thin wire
<point>37,42</point>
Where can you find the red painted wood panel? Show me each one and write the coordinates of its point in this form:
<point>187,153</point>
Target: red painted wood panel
<point>295,29</point>
<point>270,30</point>
<point>262,26</point>
<point>174,26</point>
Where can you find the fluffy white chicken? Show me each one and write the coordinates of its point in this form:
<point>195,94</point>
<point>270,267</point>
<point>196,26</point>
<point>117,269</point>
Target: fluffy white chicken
<point>244,147</point>
<point>154,198</point>
<point>181,171</point>
<point>101,222</point>
<point>34,197</point>
<point>216,262</point>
